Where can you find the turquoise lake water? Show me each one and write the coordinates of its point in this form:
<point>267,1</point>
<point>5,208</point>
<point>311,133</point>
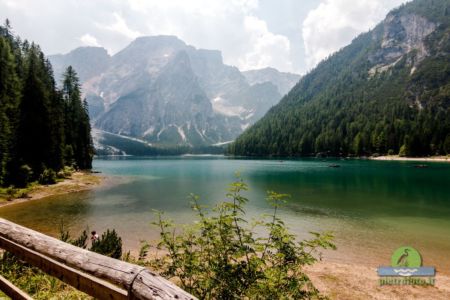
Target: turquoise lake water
<point>373,207</point>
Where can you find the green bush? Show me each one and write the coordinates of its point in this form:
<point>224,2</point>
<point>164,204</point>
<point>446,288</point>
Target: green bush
<point>66,172</point>
<point>109,244</point>
<point>48,177</point>
<point>447,144</point>
<point>64,236</point>
<point>12,192</point>
<point>68,155</point>
<point>24,175</point>
<point>403,151</point>
<point>221,256</point>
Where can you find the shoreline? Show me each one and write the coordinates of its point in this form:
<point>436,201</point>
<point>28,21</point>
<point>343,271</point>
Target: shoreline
<point>79,181</point>
<point>355,281</point>
<point>418,159</point>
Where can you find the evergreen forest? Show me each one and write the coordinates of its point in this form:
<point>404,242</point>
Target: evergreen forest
<point>43,127</point>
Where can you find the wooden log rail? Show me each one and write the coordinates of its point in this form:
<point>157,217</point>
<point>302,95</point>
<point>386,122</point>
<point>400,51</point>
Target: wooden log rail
<point>97,275</point>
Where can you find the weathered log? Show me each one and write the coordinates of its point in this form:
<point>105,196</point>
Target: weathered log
<point>138,281</point>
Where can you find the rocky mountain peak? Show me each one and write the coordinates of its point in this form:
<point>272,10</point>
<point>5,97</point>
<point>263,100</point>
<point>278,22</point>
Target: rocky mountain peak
<point>148,44</point>
<point>88,61</point>
<point>282,80</point>
<point>149,52</point>
<point>401,34</point>
<point>213,57</point>
<point>404,33</point>
<point>89,50</point>
<point>161,91</point>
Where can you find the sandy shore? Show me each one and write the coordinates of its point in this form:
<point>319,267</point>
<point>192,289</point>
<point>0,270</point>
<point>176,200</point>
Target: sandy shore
<point>352,281</point>
<point>79,181</point>
<point>424,159</point>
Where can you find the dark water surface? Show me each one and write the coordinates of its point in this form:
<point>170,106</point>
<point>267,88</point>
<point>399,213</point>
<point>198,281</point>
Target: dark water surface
<point>372,207</point>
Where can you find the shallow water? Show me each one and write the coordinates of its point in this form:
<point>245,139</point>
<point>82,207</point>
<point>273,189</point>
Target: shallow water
<point>372,207</point>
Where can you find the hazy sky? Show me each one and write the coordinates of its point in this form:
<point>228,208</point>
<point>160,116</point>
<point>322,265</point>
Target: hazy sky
<point>290,35</point>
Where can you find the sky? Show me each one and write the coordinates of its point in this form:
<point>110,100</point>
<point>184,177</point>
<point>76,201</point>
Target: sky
<point>289,35</point>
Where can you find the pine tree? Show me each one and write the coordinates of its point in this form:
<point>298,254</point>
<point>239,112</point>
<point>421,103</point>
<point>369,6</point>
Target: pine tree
<point>56,110</point>
<point>77,126</point>
<point>9,96</point>
<point>34,121</point>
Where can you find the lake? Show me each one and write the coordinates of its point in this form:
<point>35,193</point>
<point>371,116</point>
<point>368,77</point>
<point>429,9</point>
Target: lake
<point>372,207</point>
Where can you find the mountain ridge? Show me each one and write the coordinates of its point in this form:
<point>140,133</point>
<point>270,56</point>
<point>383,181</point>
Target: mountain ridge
<point>133,96</point>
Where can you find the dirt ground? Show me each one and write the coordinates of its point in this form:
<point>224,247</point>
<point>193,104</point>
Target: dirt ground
<point>348,282</point>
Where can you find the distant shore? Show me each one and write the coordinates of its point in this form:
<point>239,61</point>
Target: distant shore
<point>79,181</point>
<point>423,159</point>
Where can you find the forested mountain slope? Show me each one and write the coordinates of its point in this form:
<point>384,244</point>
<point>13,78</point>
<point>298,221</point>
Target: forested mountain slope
<point>387,92</point>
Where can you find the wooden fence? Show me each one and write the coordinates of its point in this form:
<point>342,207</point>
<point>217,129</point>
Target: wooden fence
<point>97,275</point>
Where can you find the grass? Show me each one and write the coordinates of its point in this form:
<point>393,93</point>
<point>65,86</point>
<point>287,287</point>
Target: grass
<point>34,282</point>
<point>3,296</point>
<point>9,193</point>
<point>69,183</point>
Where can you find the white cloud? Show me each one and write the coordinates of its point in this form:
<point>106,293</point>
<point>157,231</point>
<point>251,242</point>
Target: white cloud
<point>231,26</point>
<point>226,25</point>
<point>12,4</point>
<point>334,23</point>
<point>265,48</point>
<point>89,40</point>
<point>196,7</point>
<point>120,26</point>
<point>238,28</point>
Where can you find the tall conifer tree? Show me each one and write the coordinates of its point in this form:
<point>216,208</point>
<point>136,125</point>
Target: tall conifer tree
<point>9,97</point>
<point>77,126</point>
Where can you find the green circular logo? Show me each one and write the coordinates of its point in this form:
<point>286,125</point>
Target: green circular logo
<point>406,257</point>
